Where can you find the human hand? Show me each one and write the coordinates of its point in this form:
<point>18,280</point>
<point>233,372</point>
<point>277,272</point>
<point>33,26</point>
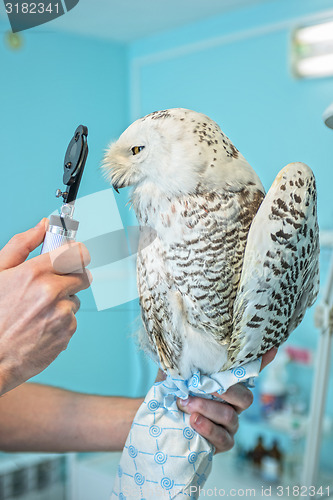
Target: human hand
<point>37,304</point>
<point>218,421</point>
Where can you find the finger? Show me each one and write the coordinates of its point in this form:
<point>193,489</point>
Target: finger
<point>219,437</point>
<point>160,376</point>
<point>72,329</point>
<point>21,245</point>
<point>72,257</point>
<point>216,411</point>
<point>268,357</point>
<point>71,284</point>
<point>238,396</point>
<point>76,303</point>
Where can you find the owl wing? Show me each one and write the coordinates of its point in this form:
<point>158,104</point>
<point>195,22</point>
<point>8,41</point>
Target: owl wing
<point>280,276</point>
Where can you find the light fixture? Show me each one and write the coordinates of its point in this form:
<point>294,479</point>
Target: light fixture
<point>14,41</point>
<point>312,50</point>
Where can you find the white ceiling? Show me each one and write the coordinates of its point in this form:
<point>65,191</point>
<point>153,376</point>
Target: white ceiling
<point>129,20</point>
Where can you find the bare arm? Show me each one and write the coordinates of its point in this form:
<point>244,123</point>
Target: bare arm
<point>34,417</point>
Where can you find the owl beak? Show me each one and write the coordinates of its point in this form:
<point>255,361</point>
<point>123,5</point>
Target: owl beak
<point>118,185</point>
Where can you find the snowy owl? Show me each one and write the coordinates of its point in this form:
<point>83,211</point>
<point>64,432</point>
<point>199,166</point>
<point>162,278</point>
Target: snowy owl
<point>231,271</point>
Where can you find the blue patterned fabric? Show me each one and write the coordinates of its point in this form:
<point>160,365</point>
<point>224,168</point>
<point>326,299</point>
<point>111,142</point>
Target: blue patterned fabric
<point>164,458</point>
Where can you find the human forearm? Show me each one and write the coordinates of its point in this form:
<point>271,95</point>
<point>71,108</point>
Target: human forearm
<point>41,418</point>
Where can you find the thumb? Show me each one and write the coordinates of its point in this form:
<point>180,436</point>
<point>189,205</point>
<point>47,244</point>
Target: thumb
<point>268,357</point>
<point>19,247</point>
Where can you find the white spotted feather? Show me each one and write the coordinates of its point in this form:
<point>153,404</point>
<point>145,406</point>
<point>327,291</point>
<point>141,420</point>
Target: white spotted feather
<point>280,277</point>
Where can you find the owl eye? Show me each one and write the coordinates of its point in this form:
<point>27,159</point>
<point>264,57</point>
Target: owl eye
<point>137,149</point>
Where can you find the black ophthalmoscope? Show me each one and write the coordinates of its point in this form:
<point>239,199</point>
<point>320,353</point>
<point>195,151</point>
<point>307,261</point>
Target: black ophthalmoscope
<point>63,227</point>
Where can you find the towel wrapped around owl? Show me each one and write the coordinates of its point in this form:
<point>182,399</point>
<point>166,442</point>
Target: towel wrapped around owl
<point>228,274</point>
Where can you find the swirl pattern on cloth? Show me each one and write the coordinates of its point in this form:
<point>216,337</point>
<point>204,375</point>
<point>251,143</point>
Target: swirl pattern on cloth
<point>163,456</point>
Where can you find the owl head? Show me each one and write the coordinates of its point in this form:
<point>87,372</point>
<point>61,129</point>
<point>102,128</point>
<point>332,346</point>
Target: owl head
<point>173,152</point>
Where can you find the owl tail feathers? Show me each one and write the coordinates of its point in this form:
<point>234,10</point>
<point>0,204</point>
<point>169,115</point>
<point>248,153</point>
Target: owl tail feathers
<point>163,456</point>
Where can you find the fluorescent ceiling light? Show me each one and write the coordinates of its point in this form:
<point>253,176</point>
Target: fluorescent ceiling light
<point>321,65</point>
<point>320,33</point>
<point>312,50</point>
